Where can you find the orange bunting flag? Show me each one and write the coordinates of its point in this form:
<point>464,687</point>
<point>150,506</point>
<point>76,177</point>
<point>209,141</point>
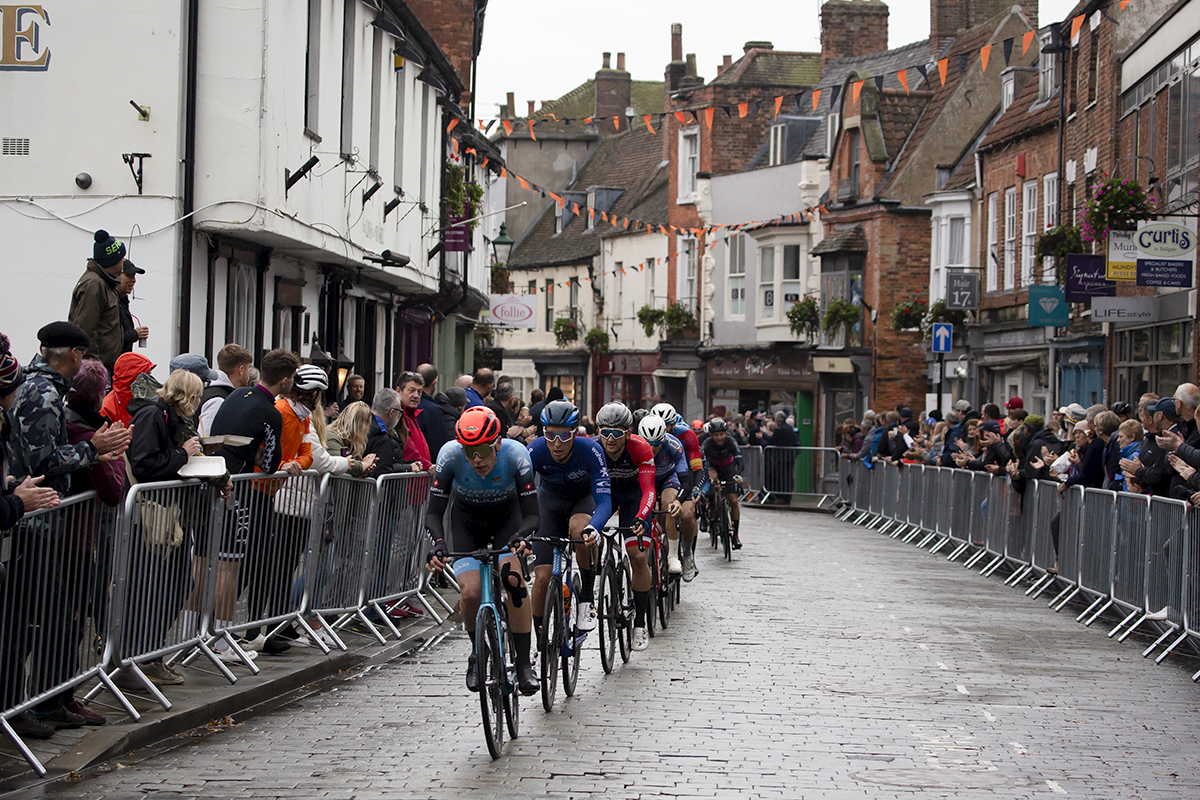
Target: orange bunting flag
<point>592,214</point>
<point>471,151</point>
<point>485,163</point>
<point>743,109</point>
<point>1123,4</point>
<point>626,223</point>
<point>553,117</point>
<point>708,117</point>
<point>503,172</point>
<point>816,98</point>
<point>984,52</point>
<point>682,119</point>
<point>616,123</point>
<point>531,134</point>
<point>575,208</point>
<point>1026,40</point>
<point>945,62</point>
<point>604,216</point>
<point>524,183</point>
<point>903,76</point>
<point>587,120</point>
<point>454,144</point>
<point>507,128</point>
<point>857,88</point>
<point>649,127</point>
<point>1076,24</point>
<point>482,126</point>
<point>778,105</point>
<point>453,122</point>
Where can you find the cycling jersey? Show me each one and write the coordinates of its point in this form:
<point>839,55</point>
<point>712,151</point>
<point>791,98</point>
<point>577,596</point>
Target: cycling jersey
<point>632,477</point>
<point>583,474</point>
<point>722,455</point>
<point>671,466</point>
<point>484,497</point>
<point>691,445</point>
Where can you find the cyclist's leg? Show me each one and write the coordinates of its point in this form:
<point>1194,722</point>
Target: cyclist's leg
<point>553,518</point>
<point>462,539</point>
<point>670,494</point>
<point>627,508</point>
<point>586,557</point>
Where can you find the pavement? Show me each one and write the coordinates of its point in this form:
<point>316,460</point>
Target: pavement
<point>824,661</point>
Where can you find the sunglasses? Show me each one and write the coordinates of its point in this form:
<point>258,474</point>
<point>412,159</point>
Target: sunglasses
<point>612,433</point>
<point>478,450</point>
<point>559,436</point>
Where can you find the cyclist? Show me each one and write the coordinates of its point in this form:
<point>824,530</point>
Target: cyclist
<point>724,467</point>
<point>495,504</point>
<point>574,499</point>
<point>631,469</point>
<point>671,475</point>
<point>694,491</point>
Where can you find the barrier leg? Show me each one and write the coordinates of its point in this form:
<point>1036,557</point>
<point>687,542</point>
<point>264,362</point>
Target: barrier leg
<point>329,631</point>
<point>1096,616</point>
<point>1040,585</point>
<point>992,567</point>
<point>973,560</point>
<point>1074,590</point>
<point>1161,638</point>
<point>1018,575</point>
<point>1123,623</point>
<point>937,547</point>
<point>106,683</point>
<point>1155,616</point>
<point>1182,638</point>
<point>26,752</point>
<point>387,619</point>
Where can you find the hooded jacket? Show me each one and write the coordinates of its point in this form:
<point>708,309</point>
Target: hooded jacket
<point>127,368</point>
<point>432,425</point>
<point>96,307</point>
<point>450,415</point>
<point>155,450</point>
<point>39,442</point>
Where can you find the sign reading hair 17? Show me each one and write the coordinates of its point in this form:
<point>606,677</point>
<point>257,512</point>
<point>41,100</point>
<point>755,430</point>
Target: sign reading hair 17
<point>1166,253</point>
<point>21,46</point>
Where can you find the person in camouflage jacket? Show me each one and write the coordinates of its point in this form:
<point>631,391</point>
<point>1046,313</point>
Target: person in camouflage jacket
<point>38,417</point>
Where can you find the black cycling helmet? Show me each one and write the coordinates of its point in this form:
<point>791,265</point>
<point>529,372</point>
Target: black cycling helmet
<point>1122,408</point>
<point>718,424</point>
<point>560,413</point>
<point>638,416</point>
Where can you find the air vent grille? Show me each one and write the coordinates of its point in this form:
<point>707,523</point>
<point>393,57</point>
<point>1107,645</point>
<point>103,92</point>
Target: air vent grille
<point>14,147</point>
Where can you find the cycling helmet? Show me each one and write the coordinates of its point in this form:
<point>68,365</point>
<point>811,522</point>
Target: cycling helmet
<point>653,429</point>
<point>560,413</point>
<point>718,424</point>
<point>614,415</point>
<point>665,412</point>
<point>310,377</point>
<point>476,426</point>
<point>697,425</point>
<point>638,416</point>
<point>1121,407</point>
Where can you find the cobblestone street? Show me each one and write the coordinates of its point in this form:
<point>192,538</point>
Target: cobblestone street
<point>826,661</point>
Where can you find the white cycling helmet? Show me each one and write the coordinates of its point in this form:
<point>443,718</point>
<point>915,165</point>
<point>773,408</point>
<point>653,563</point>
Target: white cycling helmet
<point>653,429</point>
<point>666,412</point>
<point>310,377</point>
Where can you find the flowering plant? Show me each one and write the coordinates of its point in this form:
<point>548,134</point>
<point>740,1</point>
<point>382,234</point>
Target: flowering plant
<point>939,313</point>
<point>566,331</point>
<point>804,317</point>
<point>908,314</point>
<point>1116,205</point>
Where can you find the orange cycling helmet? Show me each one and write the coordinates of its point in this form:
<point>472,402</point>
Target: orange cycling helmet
<point>476,426</point>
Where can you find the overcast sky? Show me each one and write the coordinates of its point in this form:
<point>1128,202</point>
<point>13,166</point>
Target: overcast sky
<point>541,49</point>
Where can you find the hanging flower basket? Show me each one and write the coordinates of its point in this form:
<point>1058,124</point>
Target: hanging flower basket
<point>1116,205</point>
<point>908,315</point>
<point>566,331</point>
<point>596,340</point>
<point>804,318</point>
<point>840,313</point>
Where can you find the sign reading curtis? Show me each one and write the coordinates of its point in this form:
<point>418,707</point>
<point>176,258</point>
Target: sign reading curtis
<point>21,45</point>
<point>1166,253</point>
<point>513,310</point>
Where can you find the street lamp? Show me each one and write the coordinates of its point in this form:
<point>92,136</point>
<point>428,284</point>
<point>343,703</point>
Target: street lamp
<point>502,245</point>
<point>345,366</point>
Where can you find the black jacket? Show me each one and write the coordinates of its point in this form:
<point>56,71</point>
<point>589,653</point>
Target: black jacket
<point>1033,451</point>
<point>450,415</point>
<point>432,424</point>
<point>1112,460</point>
<point>128,331</point>
<point>784,436</point>
<point>154,450</point>
<point>388,452</point>
<point>250,411</point>
<point>1156,473</point>
<point>999,454</point>
<point>1091,466</point>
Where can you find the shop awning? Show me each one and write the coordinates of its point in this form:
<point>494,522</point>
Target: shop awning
<point>1008,360</point>
<point>671,373</point>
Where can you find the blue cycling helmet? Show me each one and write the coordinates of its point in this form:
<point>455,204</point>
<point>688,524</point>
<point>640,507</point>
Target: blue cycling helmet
<point>560,414</point>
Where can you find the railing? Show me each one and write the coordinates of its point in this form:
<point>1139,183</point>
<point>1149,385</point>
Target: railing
<point>790,472</point>
<point>177,571</point>
<point>1132,556</point>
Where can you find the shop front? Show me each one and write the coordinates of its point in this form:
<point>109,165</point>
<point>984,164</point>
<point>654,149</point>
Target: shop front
<point>568,370</point>
<point>627,378</point>
<point>767,382</point>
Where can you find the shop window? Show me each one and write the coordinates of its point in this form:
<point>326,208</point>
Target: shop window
<point>736,253</point>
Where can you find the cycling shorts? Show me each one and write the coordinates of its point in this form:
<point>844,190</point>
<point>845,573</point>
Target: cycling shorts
<point>476,527</point>
<point>726,474</point>
<point>627,502</point>
<point>554,519</point>
<point>669,482</point>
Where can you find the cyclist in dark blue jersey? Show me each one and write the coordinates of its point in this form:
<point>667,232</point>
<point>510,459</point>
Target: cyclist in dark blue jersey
<point>574,500</point>
<point>693,493</point>
<point>724,459</point>
<point>672,481</point>
<point>491,483</point>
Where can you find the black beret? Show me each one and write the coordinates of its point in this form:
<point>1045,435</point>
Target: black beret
<point>63,334</point>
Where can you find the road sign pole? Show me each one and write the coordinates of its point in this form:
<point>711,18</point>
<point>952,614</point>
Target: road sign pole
<point>941,382</point>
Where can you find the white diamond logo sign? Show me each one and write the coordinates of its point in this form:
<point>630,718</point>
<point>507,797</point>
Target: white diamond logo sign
<point>1048,304</point>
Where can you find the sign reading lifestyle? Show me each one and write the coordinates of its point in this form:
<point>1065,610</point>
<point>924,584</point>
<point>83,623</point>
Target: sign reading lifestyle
<point>513,310</point>
<point>1125,309</point>
<point>1166,253</point>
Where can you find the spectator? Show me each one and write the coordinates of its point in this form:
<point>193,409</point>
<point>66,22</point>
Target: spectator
<point>462,381</point>
<point>382,441</point>
<point>1122,410</point>
<point>116,404</point>
<point>356,387</point>
<point>481,387</point>
<point>1150,468</point>
<point>233,372</point>
<point>429,416</point>
<point>1013,405</point>
<point>1129,441</point>
<point>452,403</point>
<point>251,412</point>
<point>1087,459</point>
<point>130,332</point>
<point>505,404</point>
<point>408,430</point>
<point>1106,425</point>
<point>535,411</point>
<point>162,443</point>
<point>1039,447</point>
<point>996,453</point>
<point>96,304</point>
<point>1186,441</point>
<point>106,478</point>
<point>780,462</point>
<point>347,438</point>
<point>195,364</point>
<point>535,397</point>
<point>959,431</point>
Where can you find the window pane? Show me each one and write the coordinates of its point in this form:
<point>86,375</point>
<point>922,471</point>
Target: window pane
<point>1170,345</point>
<point>1174,116</point>
<point>767,274</point>
<point>1141,345</point>
<point>791,262</point>
<point>957,231</point>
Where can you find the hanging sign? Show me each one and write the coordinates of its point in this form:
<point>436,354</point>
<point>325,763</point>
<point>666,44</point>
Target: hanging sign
<point>513,310</point>
<point>1122,256</point>
<point>1166,254</point>
<point>1086,278</point>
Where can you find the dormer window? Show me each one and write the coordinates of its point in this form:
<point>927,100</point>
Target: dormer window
<point>1047,67</point>
<point>1008,90</point>
<point>778,144</point>
<point>589,221</point>
<point>558,218</point>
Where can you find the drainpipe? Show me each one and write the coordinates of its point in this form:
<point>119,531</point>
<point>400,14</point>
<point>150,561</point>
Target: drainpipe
<point>189,178</point>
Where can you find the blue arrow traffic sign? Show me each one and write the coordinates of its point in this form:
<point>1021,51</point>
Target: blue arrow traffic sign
<point>943,334</point>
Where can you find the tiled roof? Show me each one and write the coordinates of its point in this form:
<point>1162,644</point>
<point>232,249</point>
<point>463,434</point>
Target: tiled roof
<point>772,68</point>
<point>646,97</point>
<point>1024,117</point>
<point>630,161</point>
<point>886,63</point>
<point>898,113</point>
<point>850,240</point>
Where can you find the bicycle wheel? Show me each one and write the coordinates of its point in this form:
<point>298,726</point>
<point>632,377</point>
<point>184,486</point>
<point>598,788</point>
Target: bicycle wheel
<point>512,697</point>
<point>652,558</point>
<point>625,611</point>
<point>570,659</point>
<point>727,524</point>
<point>491,680</point>
<point>550,642</point>
<point>714,529</point>
<point>608,618</point>
<point>663,596</point>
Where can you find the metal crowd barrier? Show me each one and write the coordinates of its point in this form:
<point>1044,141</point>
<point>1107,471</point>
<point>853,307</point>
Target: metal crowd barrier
<point>799,472</point>
<point>1127,554</point>
<point>120,598</point>
<point>752,471</point>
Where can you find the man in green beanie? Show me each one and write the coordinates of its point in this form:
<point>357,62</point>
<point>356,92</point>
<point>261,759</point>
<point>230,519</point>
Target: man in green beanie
<point>95,302</point>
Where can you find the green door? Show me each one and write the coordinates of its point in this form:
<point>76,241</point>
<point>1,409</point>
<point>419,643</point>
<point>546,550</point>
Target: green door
<point>805,461</point>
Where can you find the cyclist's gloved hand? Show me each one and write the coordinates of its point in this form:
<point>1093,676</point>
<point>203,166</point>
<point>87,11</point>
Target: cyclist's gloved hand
<point>697,493</point>
<point>590,536</point>
<point>518,544</point>
<point>437,555</point>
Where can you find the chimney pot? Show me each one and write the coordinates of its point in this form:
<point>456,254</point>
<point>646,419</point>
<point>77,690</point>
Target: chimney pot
<point>621,61</point>
<point>510,107</point>
<point>531,108</point>
<point>691,65</point>
<point>746,48</point>
<point>677,41</point>
<point>727,62</point>
<point>607,57</point>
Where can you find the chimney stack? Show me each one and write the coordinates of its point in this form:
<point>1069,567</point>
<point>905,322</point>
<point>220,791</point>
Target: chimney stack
<point>613,92</point>
<point>748,46</point>
<point>691,65</point>
<point>510,107</point>
<point>675,69</point>
<point>677,41</point>
<point>856,28</point>
<point>531,109</point>
<point>727,62</point>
